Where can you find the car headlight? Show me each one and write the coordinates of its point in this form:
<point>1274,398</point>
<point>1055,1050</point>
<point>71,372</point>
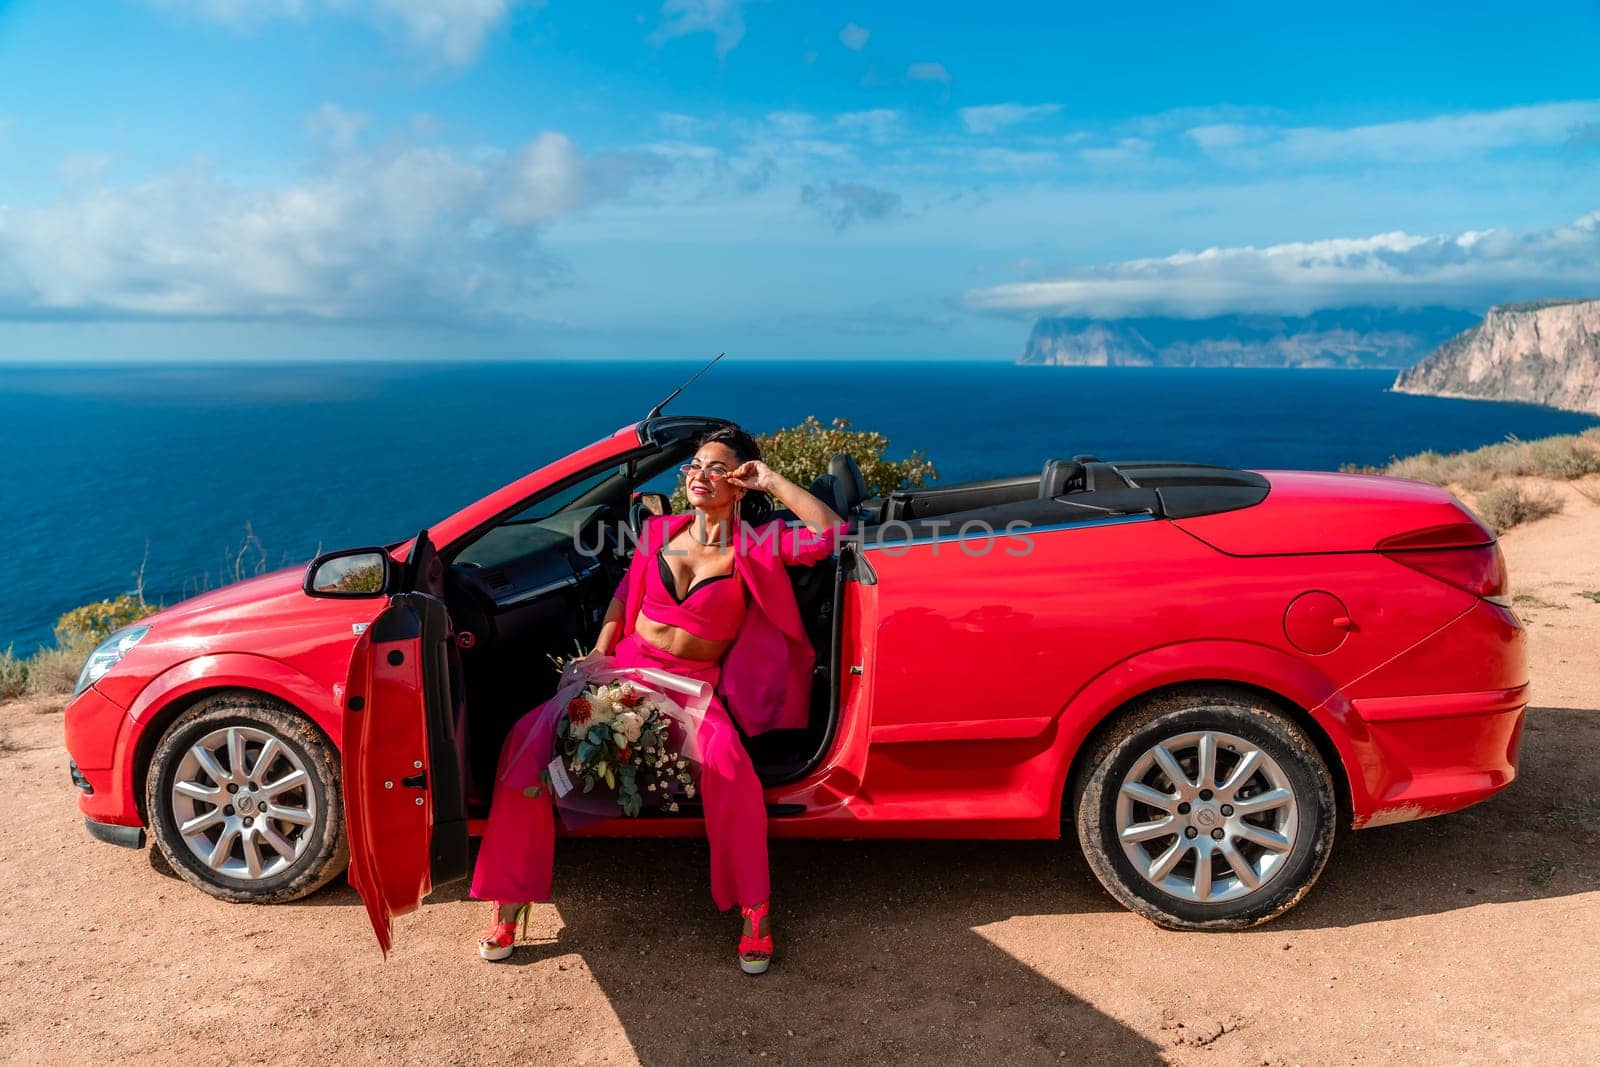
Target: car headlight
<point>106,655</point>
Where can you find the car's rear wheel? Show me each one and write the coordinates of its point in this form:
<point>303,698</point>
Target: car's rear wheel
<point>1207,810</point>
<point>243,800</point>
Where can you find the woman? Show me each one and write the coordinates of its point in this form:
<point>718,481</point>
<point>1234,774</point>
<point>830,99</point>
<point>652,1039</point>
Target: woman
<point>674,611</point>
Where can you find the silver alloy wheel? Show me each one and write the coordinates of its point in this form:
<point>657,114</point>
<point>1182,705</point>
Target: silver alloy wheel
<point>1206,816</point>
<point>243,803</point>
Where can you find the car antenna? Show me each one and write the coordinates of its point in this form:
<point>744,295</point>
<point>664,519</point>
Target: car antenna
<point>674,394</point>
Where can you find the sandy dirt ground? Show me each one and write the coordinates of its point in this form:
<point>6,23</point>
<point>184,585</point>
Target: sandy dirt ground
<point>1464,939</point>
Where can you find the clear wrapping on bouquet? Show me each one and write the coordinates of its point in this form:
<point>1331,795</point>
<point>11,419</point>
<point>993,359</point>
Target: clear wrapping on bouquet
<point>642,774</point>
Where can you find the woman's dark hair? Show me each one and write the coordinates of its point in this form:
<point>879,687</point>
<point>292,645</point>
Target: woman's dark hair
<point>756,507</point>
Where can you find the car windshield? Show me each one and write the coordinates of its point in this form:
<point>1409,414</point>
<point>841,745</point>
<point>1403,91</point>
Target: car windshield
<point>566,497</point>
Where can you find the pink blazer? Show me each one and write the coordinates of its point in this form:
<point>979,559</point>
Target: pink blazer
<point>766,672</point>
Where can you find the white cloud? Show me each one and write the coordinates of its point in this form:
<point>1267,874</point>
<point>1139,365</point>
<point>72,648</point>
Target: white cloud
<point>680,125</point>
<point>723,19</point>
<point>405,234</point>
<point>791,123</point>
<point>544,178</point>
<point>1470,269</point>
<point>1410,141</point>
<point>994,117</point>
<point>1179,119</point>
<point>84,168</point>
<point>876,123</point>
<point>1129,151</point>
<point>854,37</point>
<point>992,160</point>
<point>338,127</point>
<point>1220,137</point>
<point>845,203</point>
<point>928,72</point>
<point>453,30</point>
<point>424,125</point>
<point>456,28</point>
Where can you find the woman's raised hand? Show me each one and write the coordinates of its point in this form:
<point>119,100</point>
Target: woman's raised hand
<point>753,474</point>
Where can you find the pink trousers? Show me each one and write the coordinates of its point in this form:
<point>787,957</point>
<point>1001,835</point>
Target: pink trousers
<point>517,855</point>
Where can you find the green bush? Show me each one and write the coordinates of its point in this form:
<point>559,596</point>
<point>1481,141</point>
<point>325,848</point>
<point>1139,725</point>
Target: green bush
<point>55,670</point>
<point>800,453</point>
<point>92,623</point>
<point>13,675</point>
<point>1509,505</point>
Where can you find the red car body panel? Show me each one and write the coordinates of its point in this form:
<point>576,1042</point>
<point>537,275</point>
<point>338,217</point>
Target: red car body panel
<point>1310,512</point>
<point>972,676</point>
<point>382,750</point>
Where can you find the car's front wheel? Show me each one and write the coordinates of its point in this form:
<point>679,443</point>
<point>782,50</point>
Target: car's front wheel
<point>243,800</point>
<point>1207,810</point>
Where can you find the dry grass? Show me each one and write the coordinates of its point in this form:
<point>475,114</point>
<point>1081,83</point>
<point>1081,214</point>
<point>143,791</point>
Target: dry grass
<point>1508,506</point>
<point>13,675</point>
<point>55,670</point>
<point>1563,458</point>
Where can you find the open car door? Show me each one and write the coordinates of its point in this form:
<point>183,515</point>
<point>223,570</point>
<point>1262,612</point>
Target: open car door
<point>405,808</point>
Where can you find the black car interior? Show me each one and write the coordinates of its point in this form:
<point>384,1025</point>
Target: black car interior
<point>535,583</point>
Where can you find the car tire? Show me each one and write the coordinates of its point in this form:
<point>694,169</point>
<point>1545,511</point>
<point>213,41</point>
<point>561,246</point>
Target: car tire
<point>1217,851</point>
<point>247,768</point>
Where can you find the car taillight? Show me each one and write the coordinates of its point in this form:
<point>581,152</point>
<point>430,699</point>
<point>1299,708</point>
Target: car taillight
<point>1479,569</point>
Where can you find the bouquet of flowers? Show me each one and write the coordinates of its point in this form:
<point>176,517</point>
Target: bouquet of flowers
<point>621,735</point>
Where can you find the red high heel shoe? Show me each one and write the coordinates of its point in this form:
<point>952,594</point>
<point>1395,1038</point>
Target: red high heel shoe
<point>500,940</point>
<point>755,952</point>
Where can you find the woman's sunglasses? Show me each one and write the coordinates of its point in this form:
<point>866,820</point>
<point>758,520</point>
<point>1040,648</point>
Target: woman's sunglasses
<point>716,472</point>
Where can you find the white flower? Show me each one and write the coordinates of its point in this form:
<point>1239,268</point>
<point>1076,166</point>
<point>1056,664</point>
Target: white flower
<point>600,707</point>
<point>629,724</point>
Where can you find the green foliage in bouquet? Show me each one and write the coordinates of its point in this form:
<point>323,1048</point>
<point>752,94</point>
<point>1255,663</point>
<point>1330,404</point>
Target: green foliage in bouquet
<point>615,735</point>
<point>800,453</point>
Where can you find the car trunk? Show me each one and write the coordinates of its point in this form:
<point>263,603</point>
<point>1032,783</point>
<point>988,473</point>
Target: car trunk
<point>1308,512</point>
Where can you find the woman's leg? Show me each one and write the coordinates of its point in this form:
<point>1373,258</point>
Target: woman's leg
<point>517,854</point>
<point>736,814</point>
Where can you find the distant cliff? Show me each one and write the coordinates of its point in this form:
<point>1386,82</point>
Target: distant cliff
<point>1546,353</point>
<point>1345,337</point>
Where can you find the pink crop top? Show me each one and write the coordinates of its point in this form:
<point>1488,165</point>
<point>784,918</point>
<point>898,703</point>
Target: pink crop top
<point>711,610</point>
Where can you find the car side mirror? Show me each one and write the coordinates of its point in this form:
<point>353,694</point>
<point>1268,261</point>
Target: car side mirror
<point>349,573</point>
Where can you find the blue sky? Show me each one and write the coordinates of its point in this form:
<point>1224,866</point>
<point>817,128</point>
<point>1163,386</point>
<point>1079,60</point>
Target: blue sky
<point>255,179</point>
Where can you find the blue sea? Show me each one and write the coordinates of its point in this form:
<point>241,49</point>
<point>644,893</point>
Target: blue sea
<point>106,467</point>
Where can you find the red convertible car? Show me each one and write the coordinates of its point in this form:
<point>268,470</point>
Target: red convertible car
<point>1201,672</point>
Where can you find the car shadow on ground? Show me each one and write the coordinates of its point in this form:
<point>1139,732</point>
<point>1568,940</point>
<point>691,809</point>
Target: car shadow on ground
<point>892,929</point>
<point>1538,838</point>
<point>880,953</point>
